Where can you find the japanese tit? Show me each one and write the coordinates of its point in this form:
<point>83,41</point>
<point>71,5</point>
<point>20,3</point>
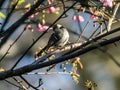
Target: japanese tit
<point>59,37</point>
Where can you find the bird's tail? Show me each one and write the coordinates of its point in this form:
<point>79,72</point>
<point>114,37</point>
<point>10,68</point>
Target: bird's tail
<point>40,52</point>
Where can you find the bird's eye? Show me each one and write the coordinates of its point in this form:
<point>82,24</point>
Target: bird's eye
<point>61,27</point>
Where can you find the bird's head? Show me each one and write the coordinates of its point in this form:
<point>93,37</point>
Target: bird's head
<point>57,27</point>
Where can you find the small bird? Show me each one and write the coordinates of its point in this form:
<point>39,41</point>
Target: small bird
<point>59,38</point>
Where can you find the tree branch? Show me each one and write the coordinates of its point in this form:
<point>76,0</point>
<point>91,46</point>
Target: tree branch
<point>95,39</point>
<point>31,67</point>
<point>9,15</point>
<point>7,33</point>
<point>113,16</point>
<point>13,44</point>
<point>12,84</point>
<point>1,3</point>
<point>28,83</point>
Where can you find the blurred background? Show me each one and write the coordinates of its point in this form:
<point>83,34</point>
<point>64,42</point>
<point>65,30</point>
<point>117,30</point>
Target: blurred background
<point>97,66</point>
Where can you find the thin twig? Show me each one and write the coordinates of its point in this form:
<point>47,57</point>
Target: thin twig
<point>13,44</point>
<point>20,83</point>
<point>7,33</point>
<point>113,59</point>
<point>1,3</point>
<point>66,47</point>
<point>9,15</point>
<point>83,31</point>
<point>113,16</point>
<point>64,8</point>
<point>28,83</point>
<point>46,73</point>
<point>105,52</point>
<point>12,84</point>
<point>94,32</point>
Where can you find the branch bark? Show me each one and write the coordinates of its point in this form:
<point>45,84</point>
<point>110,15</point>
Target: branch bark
<point>1,3</point>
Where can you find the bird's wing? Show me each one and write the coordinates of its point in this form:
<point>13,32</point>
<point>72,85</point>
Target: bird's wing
<point>54,38</point>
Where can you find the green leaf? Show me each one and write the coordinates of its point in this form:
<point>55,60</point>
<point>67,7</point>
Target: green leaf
<point>19,2</point>
<point>2,15</point>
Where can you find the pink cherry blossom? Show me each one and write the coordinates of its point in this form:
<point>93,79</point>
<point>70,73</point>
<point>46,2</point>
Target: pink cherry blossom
<point>51,9</point>
<point>36,13</point>
<point>74,18</point>
<point>107,2</point>
<point>93,17</point>
<point>49,2</point>
<point>33,15</point>
<point>78,18</point>
<point>30,28</point>
<point>41,28</point>
<point>45,27</point>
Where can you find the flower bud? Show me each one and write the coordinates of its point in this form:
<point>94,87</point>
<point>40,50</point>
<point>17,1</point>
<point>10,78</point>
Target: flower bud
<point>52,9</point>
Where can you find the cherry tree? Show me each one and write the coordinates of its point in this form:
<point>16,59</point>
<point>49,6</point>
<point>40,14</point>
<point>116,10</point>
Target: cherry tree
<point>35,19</point>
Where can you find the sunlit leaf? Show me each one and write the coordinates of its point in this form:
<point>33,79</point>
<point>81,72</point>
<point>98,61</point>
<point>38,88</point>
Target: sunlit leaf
<point>2,15</point>
<point>90,85</point>
<point>43,89</point>
<point>51,57</point>
<point>19,2</point>
<point>1,70</point>
<point>75,79</point>
<point>28,5</point>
